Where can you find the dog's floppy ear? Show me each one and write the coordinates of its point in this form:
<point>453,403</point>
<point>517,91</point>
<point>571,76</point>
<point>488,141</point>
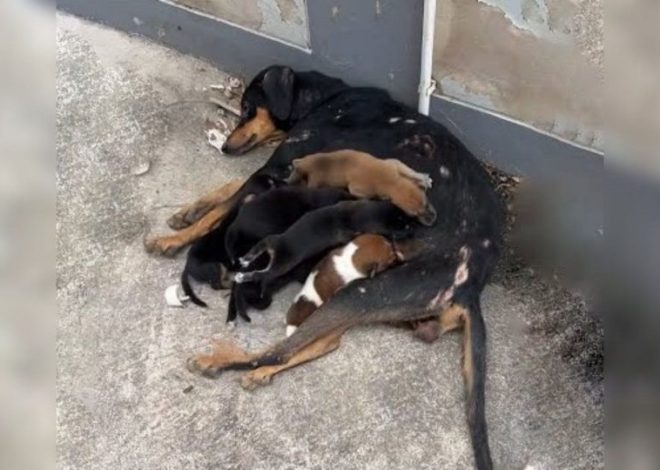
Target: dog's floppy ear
<point>278,88</point>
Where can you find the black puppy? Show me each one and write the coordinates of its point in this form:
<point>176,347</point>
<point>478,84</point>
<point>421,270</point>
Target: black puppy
<point>250,294</point>
<point>259,216</point>
<point>206,262</point>
<point>320,230</point>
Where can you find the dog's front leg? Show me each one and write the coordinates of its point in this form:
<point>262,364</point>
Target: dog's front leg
<point>195,211</point>
<point>171,244</point>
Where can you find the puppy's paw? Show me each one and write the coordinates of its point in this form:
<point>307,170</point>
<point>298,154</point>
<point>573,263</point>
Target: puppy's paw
<point>164,246</point>
<point>425,181</point>
<point>254,379</point>
<point>428,216</point>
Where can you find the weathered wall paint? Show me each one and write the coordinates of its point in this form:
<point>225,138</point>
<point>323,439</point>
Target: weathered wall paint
<point>282,19</point>
<point>537,61</point>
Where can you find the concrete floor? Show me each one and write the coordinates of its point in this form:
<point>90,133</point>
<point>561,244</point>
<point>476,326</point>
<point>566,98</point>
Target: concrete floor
<point>383,400</point>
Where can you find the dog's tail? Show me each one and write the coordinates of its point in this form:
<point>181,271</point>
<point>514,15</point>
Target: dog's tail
<point>188,290</point>
<point>474,373</point>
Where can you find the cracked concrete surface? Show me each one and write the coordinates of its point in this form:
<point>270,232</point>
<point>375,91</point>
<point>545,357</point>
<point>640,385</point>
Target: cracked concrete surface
<point>124,401</point>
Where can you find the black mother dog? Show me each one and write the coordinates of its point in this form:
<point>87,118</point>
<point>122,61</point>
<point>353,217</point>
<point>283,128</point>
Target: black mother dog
<point>321,114</point>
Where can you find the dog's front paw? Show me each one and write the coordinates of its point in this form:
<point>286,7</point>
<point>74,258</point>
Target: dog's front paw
<point>164,246</point>
<point>224,354</point>
<point>254,379</point>
<point>204,365</point>
<point>178,222</point>
<point>188,216</point>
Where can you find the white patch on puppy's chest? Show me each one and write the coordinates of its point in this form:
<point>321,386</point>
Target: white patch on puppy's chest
<point>309,291</point>
<point>343,264</point>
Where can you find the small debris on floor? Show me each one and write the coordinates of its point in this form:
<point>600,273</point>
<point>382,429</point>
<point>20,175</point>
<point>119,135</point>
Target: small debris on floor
<point>216,138</point>
<point>188,389</point>
<point>227,96</point>
<point>173,297</point>
<point>141,168</point>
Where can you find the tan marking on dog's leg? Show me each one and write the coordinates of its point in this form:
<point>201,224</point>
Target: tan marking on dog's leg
<point>224,354</point>
<point>318,348</point>
<point>452,318</point>
<point>195,211</point>
<point>171,244</point>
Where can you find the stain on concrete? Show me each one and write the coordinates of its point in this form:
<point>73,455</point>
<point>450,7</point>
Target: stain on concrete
<point>283,19</point>
<point>243,12</point>
<point>532,60</point>
<point>290,11</point>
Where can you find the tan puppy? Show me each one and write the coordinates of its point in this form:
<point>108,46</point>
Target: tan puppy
<point>366,176</point>
<point>365,256</point>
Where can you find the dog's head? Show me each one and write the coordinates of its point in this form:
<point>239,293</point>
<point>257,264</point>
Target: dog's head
<point>266,108</point>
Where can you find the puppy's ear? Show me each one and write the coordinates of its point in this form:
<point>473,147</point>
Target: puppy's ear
<point>278,88</point>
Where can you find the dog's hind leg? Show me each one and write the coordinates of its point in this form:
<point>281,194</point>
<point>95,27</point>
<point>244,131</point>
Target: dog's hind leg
<point>195,211</point>
<point>421,179</point>
<point>451,319</point>
<point>318,348</point>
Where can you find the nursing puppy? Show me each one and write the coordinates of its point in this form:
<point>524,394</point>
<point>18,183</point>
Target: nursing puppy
<point>260,215</point>
<point>366,176</point>
<point>365,256</point>
<point>250,295</point>
<point>320,230</point>
<point>207,261</point>
<point>274,212</point>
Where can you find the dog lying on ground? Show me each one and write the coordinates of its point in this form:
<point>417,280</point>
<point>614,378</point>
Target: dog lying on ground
<point>324,114</point>
<point>366,176</point>
<point>320,230</point>
<point>365,256</point>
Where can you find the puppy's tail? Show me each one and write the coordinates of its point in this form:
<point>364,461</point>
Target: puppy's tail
<point>188,290</point>
<point>474,373</point>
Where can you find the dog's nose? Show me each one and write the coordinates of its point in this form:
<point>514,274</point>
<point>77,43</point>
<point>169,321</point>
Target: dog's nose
<point>225,148</point>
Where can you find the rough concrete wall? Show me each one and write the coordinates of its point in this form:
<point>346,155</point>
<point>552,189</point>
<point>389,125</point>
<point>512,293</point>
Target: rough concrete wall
<point>538,61</point>
<point>283,19</point>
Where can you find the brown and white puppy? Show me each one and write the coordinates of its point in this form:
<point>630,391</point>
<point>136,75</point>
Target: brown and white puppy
<point>366,176</point>
<point>365,256</point>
